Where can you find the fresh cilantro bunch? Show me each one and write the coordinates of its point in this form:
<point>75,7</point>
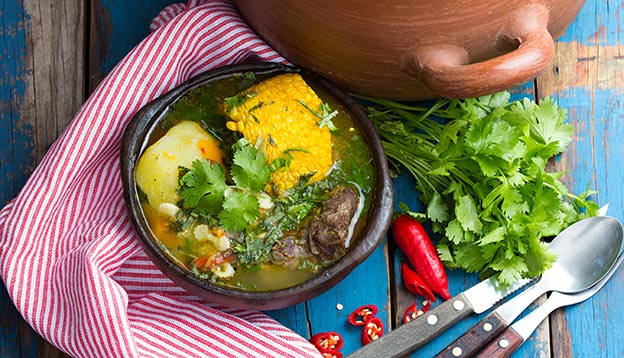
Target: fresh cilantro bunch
<point>481,170</point>
<point>204,191</point>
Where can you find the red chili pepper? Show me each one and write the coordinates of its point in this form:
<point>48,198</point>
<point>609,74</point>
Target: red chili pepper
<point>412,311</point>
<point>211,261</point>
<point>327,341</point>
<point>373,329</point>
<point>362,314</point>
<point>331,354</point>
<point>412,239</point>
<point>415,284</point>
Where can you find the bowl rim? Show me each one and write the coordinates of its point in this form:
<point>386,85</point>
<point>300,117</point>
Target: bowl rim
<point>134,143</point>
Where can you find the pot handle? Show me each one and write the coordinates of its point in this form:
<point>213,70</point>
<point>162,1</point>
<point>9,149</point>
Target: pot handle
<point>445,69</point>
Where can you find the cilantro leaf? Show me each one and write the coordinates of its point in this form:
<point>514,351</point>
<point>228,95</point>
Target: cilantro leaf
<point>250,168</point>
<point>437,209</point>
<point>547,122</point>
<point>239,210</point>
<point>496,235</point>
<point>467,214</point>
<point>201,188</point>
<point>324,114</point>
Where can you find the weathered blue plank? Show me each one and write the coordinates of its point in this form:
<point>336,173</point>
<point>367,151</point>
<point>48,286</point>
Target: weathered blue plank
<point>16,160</point>
<point>598,161</point>
<point>598,22</point>
<point>294,317</point>
<point>591,73</point>
<point>127,23</point>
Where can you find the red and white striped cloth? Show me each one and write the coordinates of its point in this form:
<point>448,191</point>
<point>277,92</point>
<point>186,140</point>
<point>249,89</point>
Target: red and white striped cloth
<point>68,254</point>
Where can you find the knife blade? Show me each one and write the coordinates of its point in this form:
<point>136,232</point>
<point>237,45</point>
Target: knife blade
<point>512,337</point>
<point>495,322</point>
<point>409,336</point>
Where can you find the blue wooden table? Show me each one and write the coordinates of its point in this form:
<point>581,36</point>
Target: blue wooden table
<point>53,54</point>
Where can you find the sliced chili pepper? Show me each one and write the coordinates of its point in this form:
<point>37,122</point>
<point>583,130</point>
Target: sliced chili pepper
<point>327,341</point>
<point>373,329</point>
<point>415,283</point>
<point>211,261</point>
<point>413,240</point>
<point>412,311</point>
<point>331,354</point>
<point>362,314</point>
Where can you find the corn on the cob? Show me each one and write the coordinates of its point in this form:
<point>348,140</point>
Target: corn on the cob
<point>277,116</point>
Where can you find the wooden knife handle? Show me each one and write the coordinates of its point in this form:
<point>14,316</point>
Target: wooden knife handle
<point>476,337</point>
<point>503,345</point>
<point>409,336</point>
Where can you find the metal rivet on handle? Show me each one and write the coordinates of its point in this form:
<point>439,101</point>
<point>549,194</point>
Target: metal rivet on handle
<point>487,326</point>
<point>432,319</point>
<point>459,305</point>
<point>457,352</point>
<point>503,343</point>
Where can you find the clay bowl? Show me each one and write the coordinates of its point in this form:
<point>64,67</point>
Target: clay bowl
<point>135,141</point>
<point>415,49</point>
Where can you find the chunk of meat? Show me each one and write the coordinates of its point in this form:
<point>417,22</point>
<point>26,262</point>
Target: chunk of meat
<point>327,232</point>
<point>285,250</point>
<point>289,249</point>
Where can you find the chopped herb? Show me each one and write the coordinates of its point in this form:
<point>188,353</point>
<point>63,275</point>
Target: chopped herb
<point>247,79</point>
<point>324,114</point>
<point>296,149</point>
<point>256,107</point>
<point>326,117</point>
<point>239,99</point>
<point>292,208</point>
<point>253,250</point>
<point>307,265</point>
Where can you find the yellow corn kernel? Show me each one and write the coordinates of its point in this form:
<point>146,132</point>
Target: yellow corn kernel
<point>275,118</point>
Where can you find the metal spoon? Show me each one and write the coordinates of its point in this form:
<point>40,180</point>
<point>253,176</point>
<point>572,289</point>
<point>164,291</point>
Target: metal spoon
<point>586,251</point>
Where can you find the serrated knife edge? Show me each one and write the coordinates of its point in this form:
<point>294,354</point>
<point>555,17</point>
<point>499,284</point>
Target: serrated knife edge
<point>487,293</point>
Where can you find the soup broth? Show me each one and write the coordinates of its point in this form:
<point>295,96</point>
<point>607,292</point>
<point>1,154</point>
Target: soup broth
<point>284,233</point>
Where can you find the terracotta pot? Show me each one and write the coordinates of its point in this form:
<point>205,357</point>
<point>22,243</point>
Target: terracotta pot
<point>415,49</point>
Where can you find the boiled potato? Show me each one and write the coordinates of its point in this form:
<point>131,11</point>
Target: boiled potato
<point>157,170</point>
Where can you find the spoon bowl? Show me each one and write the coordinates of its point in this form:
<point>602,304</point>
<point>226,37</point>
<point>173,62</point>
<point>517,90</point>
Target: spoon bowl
<point>586,251</point>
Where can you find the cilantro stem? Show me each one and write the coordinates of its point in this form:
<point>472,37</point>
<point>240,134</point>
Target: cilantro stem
<point>415,166</point>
